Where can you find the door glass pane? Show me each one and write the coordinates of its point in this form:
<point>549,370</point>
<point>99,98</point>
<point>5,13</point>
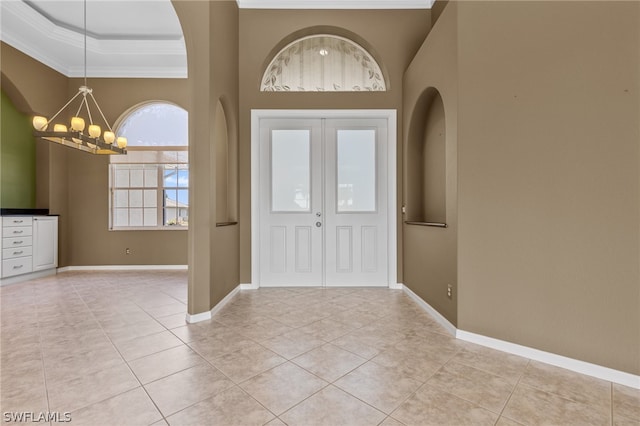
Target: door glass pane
<point>290,171</point>
<point>356,166</point>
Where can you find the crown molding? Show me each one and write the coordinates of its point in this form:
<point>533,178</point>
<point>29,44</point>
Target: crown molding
<point>335,4</point>
<point>61,48</point>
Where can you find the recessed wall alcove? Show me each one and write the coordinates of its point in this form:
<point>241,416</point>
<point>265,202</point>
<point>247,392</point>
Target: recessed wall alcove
<point>225,170</point>
<point>426,162</point>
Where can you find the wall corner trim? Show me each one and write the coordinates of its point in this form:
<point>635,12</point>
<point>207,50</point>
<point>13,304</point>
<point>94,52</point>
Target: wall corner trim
<point>203,316</point>
<point>396,286</point>
<point>431,311</point>
<point>582,367</point>
<point>586,368</point>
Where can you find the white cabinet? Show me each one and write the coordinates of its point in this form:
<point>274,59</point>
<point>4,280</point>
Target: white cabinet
<point>17,242</point>
<point>45,242</point>
<point>29,246</point>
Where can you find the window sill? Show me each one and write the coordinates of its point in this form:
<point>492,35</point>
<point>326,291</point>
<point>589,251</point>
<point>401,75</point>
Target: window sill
<point>433,224</point>
<point>220,224</point>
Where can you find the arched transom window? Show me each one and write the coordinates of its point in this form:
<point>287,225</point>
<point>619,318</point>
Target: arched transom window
<point>323,63</point>
<point>150,185</point>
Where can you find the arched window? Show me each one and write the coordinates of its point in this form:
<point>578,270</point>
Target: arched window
<point>323,63</point>
<point>150,185</point>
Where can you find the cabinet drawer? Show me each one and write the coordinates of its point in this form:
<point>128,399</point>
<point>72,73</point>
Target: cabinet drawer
<point>17,242</point>
<point>17,266</point>
<point>17,231</point>
<point>10,253</point>
<point>9,221</point>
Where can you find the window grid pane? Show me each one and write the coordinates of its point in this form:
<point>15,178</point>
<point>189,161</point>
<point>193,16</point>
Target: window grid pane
<point>137,206</point>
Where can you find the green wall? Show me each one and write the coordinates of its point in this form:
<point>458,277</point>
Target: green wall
<point>18,158</point>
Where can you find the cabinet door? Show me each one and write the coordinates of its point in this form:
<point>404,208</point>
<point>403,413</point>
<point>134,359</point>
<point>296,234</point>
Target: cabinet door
<point>45,242</point>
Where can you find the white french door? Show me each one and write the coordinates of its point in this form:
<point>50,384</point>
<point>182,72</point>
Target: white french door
<point>323,202</point>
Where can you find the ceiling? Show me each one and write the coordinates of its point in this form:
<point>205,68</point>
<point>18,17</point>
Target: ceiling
<point>126,38</point>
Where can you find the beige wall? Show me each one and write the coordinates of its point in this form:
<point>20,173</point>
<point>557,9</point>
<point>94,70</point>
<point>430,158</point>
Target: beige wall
<point>211,34</point>
<point>393,36</point>
<point>548,120</point>
<point>430,254</point>
<point>87,179</point>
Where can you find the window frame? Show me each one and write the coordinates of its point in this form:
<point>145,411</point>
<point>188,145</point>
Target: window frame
<point>180,162</point>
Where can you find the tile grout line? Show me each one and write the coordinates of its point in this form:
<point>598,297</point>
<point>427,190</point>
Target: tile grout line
<point>40,349</point>
<point>504,407</point>
<point>611,403</point>
<point>124,360</point>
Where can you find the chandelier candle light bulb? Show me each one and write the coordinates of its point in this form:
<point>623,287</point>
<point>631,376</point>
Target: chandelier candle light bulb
<point>94,131</point>
<point>59,128</point>
<point>40,123</point>
<point>122,142</point>
<point>77,123</point>
<point>109,137</point>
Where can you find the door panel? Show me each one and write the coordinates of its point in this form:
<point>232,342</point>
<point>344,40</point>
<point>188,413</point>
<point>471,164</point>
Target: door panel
<point>323,202</point>
<point>290,188</point>
<point>356,199</point>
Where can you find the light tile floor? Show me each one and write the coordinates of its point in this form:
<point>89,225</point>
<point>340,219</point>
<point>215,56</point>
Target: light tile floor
<point>113,348</point>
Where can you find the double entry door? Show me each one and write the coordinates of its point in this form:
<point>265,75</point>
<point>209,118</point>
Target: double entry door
<point>323,202</point>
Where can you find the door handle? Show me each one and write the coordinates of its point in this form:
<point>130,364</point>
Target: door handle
<point>318,224</point>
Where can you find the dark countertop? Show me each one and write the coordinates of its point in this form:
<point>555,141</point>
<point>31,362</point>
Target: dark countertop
<point>25,212</point>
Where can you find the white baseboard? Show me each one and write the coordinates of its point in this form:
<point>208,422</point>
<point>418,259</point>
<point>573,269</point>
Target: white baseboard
<point>396,286</point>
<point>431,311</point>
<point>249,286</point>
<point>578,366</point>
<point>203,316</point>
<point>26,277</point>
<point>221,304</point>
<point>582,367</point>
<point>125,268</point>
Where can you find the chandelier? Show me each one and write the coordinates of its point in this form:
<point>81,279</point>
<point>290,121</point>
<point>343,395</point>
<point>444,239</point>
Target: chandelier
<point>93,140</point>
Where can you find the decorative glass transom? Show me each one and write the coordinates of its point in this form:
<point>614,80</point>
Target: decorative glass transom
<point>323,63</point>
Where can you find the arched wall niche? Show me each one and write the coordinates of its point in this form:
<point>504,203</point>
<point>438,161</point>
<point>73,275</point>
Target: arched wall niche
<point>221,143</point>
<point>426,161</point>
<point>330,31</point>
<point>225,166</point>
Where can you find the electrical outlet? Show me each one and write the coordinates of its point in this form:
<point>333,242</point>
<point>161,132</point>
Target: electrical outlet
<point>127,251</point>
<point>449,291</point>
